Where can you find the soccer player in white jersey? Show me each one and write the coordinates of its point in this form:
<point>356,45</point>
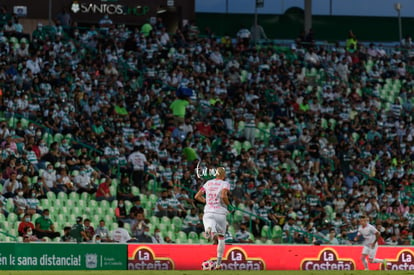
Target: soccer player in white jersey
<point>370,242</point>
<point>216,201</point>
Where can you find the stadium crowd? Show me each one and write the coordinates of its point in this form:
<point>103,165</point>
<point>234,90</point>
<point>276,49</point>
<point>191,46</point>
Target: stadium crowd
<point>313,136</point>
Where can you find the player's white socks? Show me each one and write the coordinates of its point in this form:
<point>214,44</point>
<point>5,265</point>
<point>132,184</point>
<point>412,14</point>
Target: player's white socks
<point>364,261</point>
<point>220,250</point>
<point>377,261</point>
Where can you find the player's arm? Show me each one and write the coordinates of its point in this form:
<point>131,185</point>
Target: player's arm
<point>356,238</point>
<point>200,196</point>
<point>225,197</point>
<point>377,236</point>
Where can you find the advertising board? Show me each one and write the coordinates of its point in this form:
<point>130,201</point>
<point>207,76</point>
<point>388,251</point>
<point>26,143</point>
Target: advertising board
<point>39,256</point>
<point>256,257</point>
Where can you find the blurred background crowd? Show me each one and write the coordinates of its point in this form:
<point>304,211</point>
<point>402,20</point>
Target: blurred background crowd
<point>103,129</point>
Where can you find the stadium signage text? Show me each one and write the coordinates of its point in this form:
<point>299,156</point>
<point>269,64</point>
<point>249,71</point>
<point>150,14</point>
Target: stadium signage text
<point>23,256</point>
<point>144,259</point>
<point>204,172</point>
<point>328,260</point>
<point>110,9</point>
<point>237,259</point>
<point>404,261</point>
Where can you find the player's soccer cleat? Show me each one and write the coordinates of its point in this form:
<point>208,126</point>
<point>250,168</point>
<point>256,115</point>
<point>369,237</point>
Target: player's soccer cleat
<point>384,262</point>
<point>218,267</point>
<point>208,235</point>
<point>366,269</point>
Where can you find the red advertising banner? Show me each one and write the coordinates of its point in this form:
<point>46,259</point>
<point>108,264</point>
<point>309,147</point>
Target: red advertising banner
<point>257,257</point>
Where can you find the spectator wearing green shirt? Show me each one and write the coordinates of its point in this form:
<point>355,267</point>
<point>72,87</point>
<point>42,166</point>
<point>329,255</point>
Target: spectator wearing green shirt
<point>124,190</point>
<point>146,28</point>
<point>78,231</point>
<point>120,109</point>
<point>178,107</point>
<point>44,226</point>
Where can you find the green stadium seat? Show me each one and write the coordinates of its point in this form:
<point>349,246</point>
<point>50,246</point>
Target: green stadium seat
<point>70,202</point>
<point>105,204</point>
<point>164,227</point>
<point>165,220</point>
<point>13,122</point>
<point>92,204</point>
<point>193,236</point>
<point>10,205</point>
<point>12,218</point>
<point>45,203</point>
<point>178,223</point>
<point>58,137</point>
<point>135,190</point>
<point>154,220</point>
<point>181,236</point>
<point>24,122</point>
<point>277,233</point>
<point>51,196</point>
<point>57,203</point>
<point>266,232</point>
<point>170,234</point>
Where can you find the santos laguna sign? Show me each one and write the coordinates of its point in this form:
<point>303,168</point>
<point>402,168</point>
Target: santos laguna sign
<point>109,7</point>
<point>128,12</point>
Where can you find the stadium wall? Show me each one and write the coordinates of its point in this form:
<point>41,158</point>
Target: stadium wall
<point>62,256</point>
<point>290,25</point>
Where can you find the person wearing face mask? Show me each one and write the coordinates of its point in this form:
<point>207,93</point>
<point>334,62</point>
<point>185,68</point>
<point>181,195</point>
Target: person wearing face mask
<point>157,238</point>
<point>161,207</point>
<point>242,235</point>
<point>19,202</point>
<point>28,236</point>
<point>11,185</point>
<point>25,224</point>
<point>83,182</point>
<point>102,232</point>
<point>89,230</point>
<point>44,226</point>
<point>121,212</point>
<point>49,180</point>
<point>347,214</point>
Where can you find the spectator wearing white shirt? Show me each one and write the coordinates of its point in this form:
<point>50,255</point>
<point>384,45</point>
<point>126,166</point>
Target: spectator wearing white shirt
<point>312,58</point>
<point>19,202</point>
<point>11,186</point>
<point>137,161</point>
<point>50,180</point>
<point>111,153</point>
<point>243,236</point>
<point>120,235</point>
<point>83,182</point>
<point>34,64</point>
<point>244,36</point>
<point>216,58</point>
<point>157,238</point>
